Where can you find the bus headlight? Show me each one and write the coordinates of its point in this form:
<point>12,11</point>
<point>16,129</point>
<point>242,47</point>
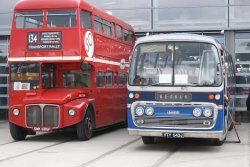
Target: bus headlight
<point>197,112</point>
<point>207,112</point>
<point>72,112</point>
<point>149,111</point>
<point>16,112</point>
<point>139,111</point>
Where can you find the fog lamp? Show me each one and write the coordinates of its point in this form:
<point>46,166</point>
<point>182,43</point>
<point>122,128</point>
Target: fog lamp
<point>207,112</point>
<point>149,111</point>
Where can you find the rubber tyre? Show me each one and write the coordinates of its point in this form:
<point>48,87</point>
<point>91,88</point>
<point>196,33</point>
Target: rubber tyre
<point>148,140</point>
<point>84,129</point>
<point>217,142</point>
<point>18,133</point>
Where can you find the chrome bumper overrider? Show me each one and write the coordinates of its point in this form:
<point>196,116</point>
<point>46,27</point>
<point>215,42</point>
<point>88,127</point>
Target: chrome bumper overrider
<point>187,134</point>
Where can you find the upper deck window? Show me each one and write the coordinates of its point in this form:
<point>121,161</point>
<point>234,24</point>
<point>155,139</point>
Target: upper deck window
<point>107,28</point>
<point>32,19</point>
<point>86,20</point>
<point>126,35</point>
<point>119,32</point>
<point>61,18</point>
<point>98,24</point>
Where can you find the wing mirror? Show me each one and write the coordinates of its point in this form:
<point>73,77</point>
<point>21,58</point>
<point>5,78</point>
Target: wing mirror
<point>123,64</point>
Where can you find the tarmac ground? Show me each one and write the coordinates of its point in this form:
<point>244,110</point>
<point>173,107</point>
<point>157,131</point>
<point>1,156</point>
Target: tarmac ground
<point>113,147</point>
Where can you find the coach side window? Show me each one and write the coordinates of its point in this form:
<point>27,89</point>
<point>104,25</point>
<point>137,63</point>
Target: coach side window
<point>86,19</point>
<point>98,24</point>
<point>119,32</point>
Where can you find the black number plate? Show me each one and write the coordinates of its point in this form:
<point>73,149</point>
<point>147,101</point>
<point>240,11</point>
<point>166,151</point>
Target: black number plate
<point>173,135</point>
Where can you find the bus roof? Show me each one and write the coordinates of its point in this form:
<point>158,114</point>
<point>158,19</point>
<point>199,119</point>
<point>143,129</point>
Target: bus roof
<point>67,4</point>
<point>179,37</point>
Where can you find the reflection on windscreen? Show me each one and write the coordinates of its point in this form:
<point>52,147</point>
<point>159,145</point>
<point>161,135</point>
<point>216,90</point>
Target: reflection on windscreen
<point>32,19</point>
<point>24,72</point>
<point>175,63</point>
<point>61,18</point>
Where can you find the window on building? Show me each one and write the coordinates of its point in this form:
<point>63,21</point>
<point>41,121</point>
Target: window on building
<point>119,32</point>
<point>32,19</point>
<point>61,18</point>
<point>3,80</point>
<point>86,19</point>
<point>108,79</point>
<point>100,80</point>
<point>98,24</point>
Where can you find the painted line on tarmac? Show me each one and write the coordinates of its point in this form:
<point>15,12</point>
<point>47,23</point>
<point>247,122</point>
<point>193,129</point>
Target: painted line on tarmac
<point>8,143</point>
<point>167,156</point>
<point>108,153</point>
<point>39,149</point>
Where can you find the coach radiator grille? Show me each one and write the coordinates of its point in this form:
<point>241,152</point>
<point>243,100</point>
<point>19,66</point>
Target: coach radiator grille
<point>42,115</point>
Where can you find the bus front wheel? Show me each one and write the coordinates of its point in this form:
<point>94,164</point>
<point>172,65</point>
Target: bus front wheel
<point>148,139</point>
<point>18,133</point>
<point>84,129</point>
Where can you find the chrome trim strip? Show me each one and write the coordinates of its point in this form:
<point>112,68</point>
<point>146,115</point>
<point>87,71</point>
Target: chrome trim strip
<point>183,104</point>
<point>128,105</point>
<point>220,107</point>
<point>187,134</point>
<point>54,58</point>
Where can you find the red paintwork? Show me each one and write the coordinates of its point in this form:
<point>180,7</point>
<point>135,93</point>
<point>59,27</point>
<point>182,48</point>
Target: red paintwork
<point>110,103</point>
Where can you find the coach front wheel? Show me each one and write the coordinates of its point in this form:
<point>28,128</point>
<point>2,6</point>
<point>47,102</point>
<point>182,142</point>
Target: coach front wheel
<point>148,139</point>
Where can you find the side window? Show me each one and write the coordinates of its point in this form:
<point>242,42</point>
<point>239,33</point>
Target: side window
<point>98,24</point>
<point>115,79</point>
<point>86,20</point>
<point>132,38</point>
<point>126,35</point>
<point>100,79</point>
<point>108,79</point>
<point>48,76</point>
<point>119,32</point>
<point>113,29</point>
<point>121,80</point>
<point>61,18</point>
<point>107,28</point>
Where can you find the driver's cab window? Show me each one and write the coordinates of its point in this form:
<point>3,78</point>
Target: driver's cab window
<point>48,80</point>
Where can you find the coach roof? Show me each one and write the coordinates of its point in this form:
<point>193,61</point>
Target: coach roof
<point>178,37</point>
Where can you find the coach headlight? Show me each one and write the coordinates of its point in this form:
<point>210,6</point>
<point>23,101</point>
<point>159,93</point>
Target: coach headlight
<point>197,112</point>
<point>16,112</point>
<point>207,112</point>
<point>149,111</point>
<point>139,111</point>
<point>72,112</point>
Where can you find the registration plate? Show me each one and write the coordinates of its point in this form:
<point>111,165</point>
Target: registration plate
<point>42,129</point>
<point>173,135</point>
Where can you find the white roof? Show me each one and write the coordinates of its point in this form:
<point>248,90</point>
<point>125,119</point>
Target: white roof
<point>178,37</point>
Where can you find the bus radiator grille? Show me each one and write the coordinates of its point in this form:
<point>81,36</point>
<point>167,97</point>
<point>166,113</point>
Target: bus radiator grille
<point>42,116</point>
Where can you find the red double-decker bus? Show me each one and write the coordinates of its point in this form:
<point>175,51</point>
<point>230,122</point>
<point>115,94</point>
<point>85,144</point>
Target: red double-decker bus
<point>65,68</point>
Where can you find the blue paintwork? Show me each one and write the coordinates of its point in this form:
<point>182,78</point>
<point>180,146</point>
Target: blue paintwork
<point>184,111</point>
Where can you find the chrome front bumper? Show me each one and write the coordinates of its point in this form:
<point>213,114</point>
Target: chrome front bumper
<point>187,134</point>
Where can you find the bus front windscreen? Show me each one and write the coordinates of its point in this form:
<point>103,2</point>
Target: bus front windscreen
<point>24,76</point>
<point>175,64</point>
